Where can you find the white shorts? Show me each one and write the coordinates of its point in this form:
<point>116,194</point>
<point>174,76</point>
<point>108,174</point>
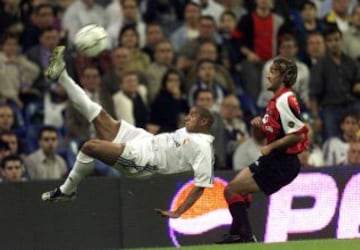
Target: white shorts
<point>137,159</point>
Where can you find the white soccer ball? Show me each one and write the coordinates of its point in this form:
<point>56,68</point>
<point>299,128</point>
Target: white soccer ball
<point>91,40</point>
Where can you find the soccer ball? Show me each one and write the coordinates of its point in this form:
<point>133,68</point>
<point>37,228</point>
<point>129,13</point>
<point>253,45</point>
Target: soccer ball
<point>91,40</point>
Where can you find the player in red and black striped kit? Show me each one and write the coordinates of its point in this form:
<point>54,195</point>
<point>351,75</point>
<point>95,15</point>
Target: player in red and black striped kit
<point>286,137</point>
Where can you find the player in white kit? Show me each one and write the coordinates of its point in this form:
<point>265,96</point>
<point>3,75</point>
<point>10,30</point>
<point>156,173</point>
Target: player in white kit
<point>134,151</point>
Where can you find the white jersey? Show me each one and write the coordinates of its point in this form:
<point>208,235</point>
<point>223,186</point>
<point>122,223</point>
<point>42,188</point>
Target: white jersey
<point>335,151</point>
<point>167,153</point>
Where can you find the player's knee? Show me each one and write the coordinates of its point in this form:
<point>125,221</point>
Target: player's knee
<point>234,187</point>
<point>89,147</point>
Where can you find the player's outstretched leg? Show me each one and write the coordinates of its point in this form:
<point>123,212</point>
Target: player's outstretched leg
<point>56,71</point>
<point>83,166</point>
<point>106,127</point>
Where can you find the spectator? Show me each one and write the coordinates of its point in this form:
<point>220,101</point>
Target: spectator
<point>13,142</point>
<point>235,6</point>
<point>211,8</point>
<point>339,15</point>
<point>315,49</point>
<point>120,58</point>
<point>12,169</point>
<point>187,53</point>
<point>130,102</point>
<point>129,37</point>
<point>209,51</point>
<point>324,6</point>
<point>170,105</point>
<point>78,128</point>
<point>45,163</point>
<point>309,24</point>
<point>313,156</point>
<point>10,13</point>
<point>167,13</point>
<point>55,100</point>
<point>40,54</point>
<point>334,86</point>
<point>248,151</point>
<point>258,47</point>
<point>352,36</point>
<point>154,34</point>
<point>206,80</point>
<point>7,119</point>
<point>164,57</point>
<point>205,98</point>
<point>4,150</point>
<point>189,30</point>
<point>130,11</point>
<point>235,127</point>
<point>353,154</point>
<point>114,12</point>
<point>81,61</point>
<point>81,13</point>
<point>17,73</point>
<point>228,32</point>
<point>335,148</point>
<point>288,49</point>
<point>43,16</point>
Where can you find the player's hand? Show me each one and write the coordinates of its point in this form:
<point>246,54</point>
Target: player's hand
<point>265,150</point>
<point>257,122</point>
<point>165,213</point>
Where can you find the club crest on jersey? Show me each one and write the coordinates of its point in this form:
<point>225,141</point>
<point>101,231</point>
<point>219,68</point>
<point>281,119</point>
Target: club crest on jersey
<point>186,140</point>
<point>291,124</point>
<point>269,129</point>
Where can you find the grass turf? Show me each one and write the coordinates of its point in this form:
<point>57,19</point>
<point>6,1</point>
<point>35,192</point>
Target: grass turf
<point>333,244</point>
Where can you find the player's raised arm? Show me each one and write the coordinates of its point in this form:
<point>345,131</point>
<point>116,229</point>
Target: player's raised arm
<point>190,200</point>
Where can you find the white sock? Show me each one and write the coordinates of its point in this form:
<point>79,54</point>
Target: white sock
<point>83,166</point>
<point>79,98</point>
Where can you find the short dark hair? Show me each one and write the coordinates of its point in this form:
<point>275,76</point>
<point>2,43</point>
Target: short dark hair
<point>207,17</point>
<point>228,13</point>
<point>129,73</point>
<point>10,158</point>
<point>332,29</point>
<point>350,113</point>
<point>41,6</point>
<point>202,90</point>
<point>89,66</point>
<point>205,113</point>
<point>288,38</point>
<point>166,76</point>
<point>286,68</point>
<point>9,35</point>
<point>152,23</point>
<point>48,29</point>
<point>47,128</point>
<point>193,3</point>
<point>126,28</point>
<point>202,61</point>
<point>307,3</point>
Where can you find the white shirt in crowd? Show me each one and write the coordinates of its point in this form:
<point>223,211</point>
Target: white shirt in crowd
<point>78,15</point>
<point>335,151</point>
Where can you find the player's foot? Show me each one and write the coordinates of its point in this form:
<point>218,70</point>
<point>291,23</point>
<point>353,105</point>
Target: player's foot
<point>57,63</point>
<point>56,195</point>
<point>230,239</point>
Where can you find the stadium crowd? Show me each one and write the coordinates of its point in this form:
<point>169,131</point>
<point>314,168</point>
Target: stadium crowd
<point>166,56</point>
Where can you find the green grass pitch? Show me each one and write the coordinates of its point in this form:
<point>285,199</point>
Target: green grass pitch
<point>353,244</point>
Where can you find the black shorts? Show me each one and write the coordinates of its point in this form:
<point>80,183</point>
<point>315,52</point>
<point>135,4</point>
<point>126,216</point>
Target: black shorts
<point>272,172</point>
